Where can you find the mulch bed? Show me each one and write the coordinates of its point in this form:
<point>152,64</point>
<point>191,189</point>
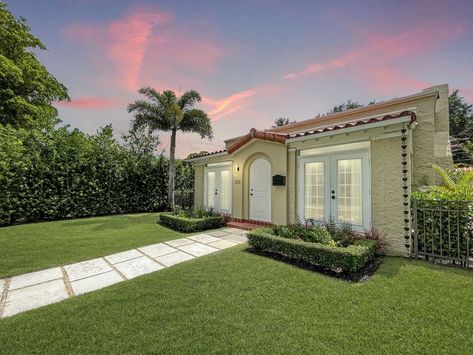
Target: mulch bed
<point>361,276</point>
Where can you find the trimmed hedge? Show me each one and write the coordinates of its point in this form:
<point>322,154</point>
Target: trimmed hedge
<point>184,224</point>
<point>349,259</point>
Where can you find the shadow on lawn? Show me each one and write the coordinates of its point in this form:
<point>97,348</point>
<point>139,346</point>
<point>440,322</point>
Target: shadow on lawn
<point>112,222</point>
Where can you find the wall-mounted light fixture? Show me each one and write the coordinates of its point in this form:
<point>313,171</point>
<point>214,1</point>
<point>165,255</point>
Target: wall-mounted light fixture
<point>237,169</point>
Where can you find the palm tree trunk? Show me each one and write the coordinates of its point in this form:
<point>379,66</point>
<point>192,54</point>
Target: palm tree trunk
<point>172,171</point>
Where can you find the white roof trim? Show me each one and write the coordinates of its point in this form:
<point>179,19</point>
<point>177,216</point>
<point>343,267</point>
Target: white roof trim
<point>222,154</point>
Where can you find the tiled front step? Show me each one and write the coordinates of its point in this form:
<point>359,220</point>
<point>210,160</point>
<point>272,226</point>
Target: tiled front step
<point>245,226</point>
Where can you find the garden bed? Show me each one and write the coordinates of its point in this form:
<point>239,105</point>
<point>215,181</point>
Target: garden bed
<point>342,252</point>
<point>191,221</point>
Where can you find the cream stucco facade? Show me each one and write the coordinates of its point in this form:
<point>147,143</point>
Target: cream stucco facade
<point>392,171</point>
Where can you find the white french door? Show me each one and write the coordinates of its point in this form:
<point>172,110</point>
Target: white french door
<point>336,186</point>
<point>217,189</point>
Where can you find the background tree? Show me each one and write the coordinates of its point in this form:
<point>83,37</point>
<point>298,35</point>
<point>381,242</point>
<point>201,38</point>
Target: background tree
<point>347,105</point>
<point>281,121</point>
<point>167,112</point>
<point>27,89</point>
<point>461,116</point>
<point>141,141</point>
<point>461,128</point>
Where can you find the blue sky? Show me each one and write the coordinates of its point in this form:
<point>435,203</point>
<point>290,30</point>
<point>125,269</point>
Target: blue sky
<point>252,61</point>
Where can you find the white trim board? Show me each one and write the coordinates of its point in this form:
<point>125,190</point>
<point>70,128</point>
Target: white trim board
<point>363,127</point>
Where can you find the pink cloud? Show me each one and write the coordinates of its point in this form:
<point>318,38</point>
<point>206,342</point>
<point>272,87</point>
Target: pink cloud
<point>89,102</point>
<point>467,92</point>
<point>381,50</point>
<point>222,107</point>
<point>145,45</point>
<point>129,38</point>
<point>389,79</point>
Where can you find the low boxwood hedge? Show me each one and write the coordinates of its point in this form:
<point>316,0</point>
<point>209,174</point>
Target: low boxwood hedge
<point>184,224</point>
<point>349,259</point>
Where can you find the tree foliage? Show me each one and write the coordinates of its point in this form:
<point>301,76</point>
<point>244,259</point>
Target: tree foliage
<point>165,111</point>
<point>58,173</point>
<point>281,121</point>
<point>345,106</point>
<point>461,116</point>
<point>27,89</point>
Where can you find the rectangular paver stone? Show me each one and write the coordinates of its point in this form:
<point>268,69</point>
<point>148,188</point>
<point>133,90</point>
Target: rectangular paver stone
<point>174,258</point>
<point>217,233</point>
<point>233,230</point>
<point>34,278</point>
<point>95,282</point>
<point>179,242</point>
<point>137,267</point>
<point>124,256</point>
<point>203,238</point>
<point>235,238</point>
<point>35,296</point>
<point>198,249</point>
<point>156,250</point>
<point>240,232</point>
<point>86,268</point>
<point>222,244</point>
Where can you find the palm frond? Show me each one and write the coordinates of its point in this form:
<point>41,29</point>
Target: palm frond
<point>151,115</point>
<point>466,178</point>
<point>140,106</point>
<point>188,99</point>
<point>168,98</point>
<point>197,121</point>
<point>447,180</point>
<point>150,93</point>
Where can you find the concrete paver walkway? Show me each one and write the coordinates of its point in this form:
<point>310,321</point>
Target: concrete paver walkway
<point>40,288</point>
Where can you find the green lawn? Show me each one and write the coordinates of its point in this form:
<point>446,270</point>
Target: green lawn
<point>37,246</point>
<point>235,301</point>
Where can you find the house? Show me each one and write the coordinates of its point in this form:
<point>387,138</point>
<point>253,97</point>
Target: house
<point>357,167</point>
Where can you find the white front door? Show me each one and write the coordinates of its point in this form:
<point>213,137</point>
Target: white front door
<point>336,186</point>
<point>217,191</point>
<point>260,190</point>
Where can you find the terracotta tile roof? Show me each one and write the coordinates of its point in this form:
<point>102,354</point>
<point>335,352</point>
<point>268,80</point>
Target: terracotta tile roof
<point>254,134</point>
<point>353,124</point>
<point>281,138</point>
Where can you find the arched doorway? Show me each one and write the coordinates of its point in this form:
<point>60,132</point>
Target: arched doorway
<point>260,190</point>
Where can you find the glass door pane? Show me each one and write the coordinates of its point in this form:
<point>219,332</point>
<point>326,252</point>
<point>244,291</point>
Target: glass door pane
<point>225,190</point>
<point>349,191</point>
<point>211,186</point>
<point>314,190</point>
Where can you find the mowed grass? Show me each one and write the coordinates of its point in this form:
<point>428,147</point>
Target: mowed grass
<point>37,246</point>
<point>235,301</point>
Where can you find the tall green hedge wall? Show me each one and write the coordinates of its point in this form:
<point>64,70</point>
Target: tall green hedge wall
<point>58,173</point>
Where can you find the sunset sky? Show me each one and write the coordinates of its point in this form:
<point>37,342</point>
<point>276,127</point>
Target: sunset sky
<point>252,61</point>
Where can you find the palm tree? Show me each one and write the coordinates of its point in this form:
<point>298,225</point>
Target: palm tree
<point>169,113</point>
